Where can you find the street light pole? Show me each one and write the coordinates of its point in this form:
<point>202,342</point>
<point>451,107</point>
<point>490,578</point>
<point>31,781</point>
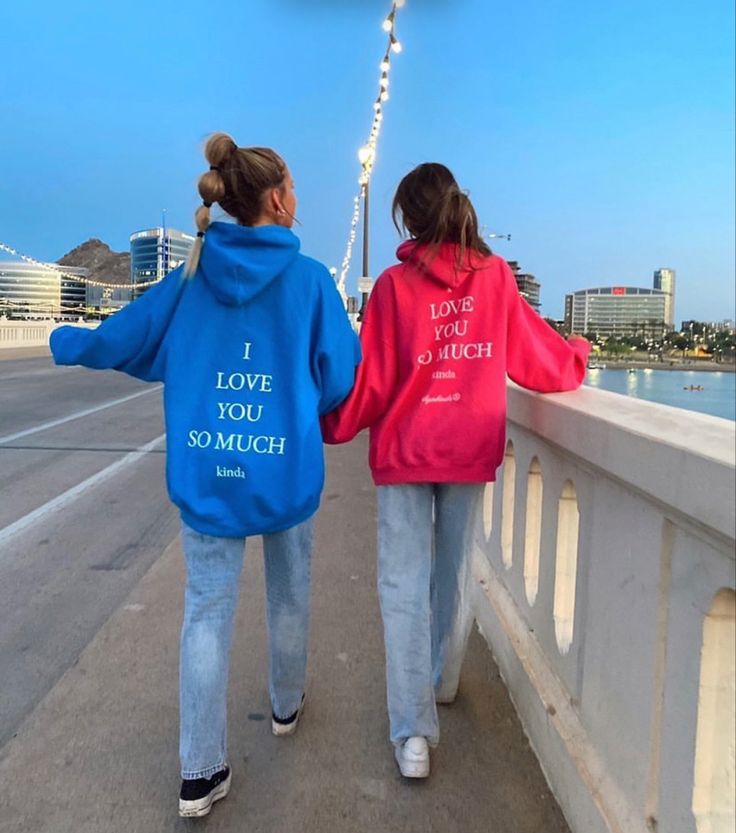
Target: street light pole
<point>367,156</point>
<point>364,295</point>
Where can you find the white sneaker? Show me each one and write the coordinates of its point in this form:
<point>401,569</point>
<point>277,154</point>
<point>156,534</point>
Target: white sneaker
<point>412,756</point>
<point>444,697</point>
<point>286,726</point>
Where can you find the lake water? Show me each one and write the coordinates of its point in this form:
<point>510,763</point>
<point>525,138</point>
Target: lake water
<point>717,395</point>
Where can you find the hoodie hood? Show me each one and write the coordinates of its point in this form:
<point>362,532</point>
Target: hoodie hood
<point>440,264</point>
<point>239,262</point>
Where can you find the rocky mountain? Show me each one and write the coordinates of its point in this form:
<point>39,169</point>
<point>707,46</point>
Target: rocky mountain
<point>102,262</point>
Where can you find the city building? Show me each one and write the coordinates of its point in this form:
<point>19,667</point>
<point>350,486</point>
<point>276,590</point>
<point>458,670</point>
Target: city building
<point>618,311</point>
<point>104,300</point>
<point>29,290</point>
<point>664,280</point>
<point>154,253</point>
<point>725,326</point>
<point>529,286</point>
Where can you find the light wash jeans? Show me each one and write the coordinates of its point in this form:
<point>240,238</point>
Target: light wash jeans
<point>213,578</point>
<point>425,533</point>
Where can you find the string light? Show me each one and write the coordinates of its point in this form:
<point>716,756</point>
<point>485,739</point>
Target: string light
<point>59,270</point>
<point>367,153</point>
<point>52,307</point>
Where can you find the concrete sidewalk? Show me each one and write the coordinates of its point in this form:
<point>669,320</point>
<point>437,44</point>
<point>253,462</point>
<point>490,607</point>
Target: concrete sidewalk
<point>99,754</point>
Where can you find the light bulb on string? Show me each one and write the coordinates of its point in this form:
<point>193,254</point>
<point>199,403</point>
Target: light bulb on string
<point>396,44</point>
<point>366,155</point>
<point>388,23</point>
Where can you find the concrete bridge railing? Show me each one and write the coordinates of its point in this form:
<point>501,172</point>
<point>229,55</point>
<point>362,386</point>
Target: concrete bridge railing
<point>31,333</point>
<point>604,584</point>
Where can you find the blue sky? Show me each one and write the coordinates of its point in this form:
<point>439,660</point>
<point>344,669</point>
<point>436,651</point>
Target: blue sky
<point>601,136</point>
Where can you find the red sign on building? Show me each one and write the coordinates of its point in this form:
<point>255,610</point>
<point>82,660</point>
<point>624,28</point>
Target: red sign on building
<point>619,290</point>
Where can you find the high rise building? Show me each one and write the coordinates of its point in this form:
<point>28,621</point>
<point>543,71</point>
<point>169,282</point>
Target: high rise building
<point>529,286</point>
<point>664,281</point>
<point>154,253</point>
<point>618,311</point>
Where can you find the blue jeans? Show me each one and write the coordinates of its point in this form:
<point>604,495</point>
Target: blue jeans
<point>213,577</point>
<point>425,534</point>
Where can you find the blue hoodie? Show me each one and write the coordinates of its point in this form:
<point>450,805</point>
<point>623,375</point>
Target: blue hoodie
<point>252,350</point>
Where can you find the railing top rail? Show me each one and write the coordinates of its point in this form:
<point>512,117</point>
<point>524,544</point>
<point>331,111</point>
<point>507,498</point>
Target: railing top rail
<point>682,459</point>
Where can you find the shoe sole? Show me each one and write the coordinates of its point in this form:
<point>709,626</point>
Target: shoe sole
<point>281,730</point>
<point>202,806</point>
<point>413,769</point>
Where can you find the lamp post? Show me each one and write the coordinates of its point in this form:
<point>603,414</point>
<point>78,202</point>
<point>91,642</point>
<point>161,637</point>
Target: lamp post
<point>366,155</point>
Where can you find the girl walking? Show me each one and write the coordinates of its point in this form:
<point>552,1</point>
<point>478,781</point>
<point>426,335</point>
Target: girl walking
<point>252,344</point>
<point>443,329</point>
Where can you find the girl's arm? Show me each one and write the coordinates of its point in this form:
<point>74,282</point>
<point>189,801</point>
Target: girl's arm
<point>130,340</point>
<point>337,350</point>
<point>538,357</point>
<point>376,377</point>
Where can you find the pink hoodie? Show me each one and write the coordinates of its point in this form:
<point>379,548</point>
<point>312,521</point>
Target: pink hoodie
<point>438,342</point>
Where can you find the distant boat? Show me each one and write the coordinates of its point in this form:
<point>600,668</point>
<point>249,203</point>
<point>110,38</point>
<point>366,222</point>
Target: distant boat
<point>596,366</point>
<point>632,370</point>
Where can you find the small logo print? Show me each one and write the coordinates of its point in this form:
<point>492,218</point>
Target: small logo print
<point>441,400</point>
<point>223,471</point>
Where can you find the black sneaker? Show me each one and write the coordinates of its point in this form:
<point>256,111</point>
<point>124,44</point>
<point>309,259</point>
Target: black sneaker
<point>286,725</point>
<point>199,794</point>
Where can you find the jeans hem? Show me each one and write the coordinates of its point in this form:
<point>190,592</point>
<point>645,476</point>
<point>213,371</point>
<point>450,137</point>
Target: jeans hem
<point>432,742</point>
<point>299,706</point>
<point>208,772</point>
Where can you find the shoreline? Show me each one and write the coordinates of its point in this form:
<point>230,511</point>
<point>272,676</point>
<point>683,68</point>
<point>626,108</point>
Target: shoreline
<point>706,367</point>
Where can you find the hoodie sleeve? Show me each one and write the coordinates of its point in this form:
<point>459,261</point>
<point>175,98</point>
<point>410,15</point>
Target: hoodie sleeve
<point>337,350</point>
<point>130,340</point>
<point>376,378</point>
<point>538,358</point>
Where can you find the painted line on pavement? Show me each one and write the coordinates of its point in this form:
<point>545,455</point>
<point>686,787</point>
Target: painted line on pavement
<point>9,438</point>
<point>65,498</point>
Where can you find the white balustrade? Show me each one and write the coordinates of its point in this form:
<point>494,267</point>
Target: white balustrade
<point>604,584</point>
<point>30,333</point>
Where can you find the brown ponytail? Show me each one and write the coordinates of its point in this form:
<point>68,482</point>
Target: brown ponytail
<point>237,180</point>
<point>430,206</point>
